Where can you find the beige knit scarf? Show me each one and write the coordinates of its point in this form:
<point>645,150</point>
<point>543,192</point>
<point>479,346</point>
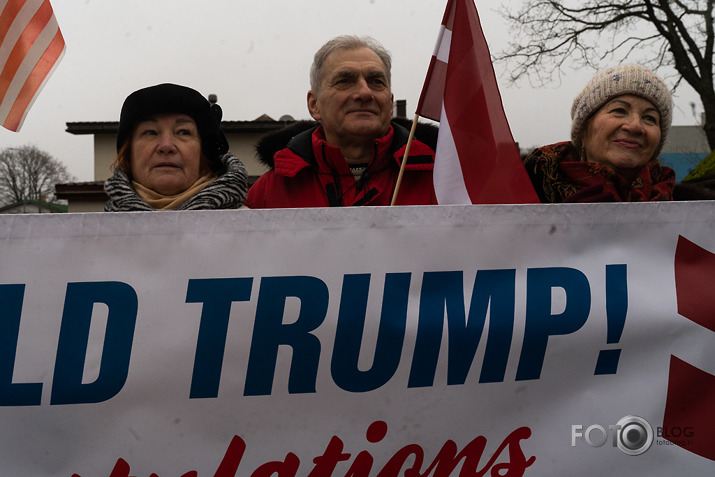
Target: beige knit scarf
<point>170,202</point>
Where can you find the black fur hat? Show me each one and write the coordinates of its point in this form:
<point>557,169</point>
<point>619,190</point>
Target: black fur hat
<point>173,98</point>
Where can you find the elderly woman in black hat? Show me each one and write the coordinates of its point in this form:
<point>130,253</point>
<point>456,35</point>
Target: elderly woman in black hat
<point>172,155</point>
<point>620,122</point>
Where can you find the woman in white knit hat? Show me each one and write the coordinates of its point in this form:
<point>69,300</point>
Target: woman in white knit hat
<point>620,122</point>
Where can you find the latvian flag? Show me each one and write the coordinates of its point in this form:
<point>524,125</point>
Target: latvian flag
<point>477,161</point>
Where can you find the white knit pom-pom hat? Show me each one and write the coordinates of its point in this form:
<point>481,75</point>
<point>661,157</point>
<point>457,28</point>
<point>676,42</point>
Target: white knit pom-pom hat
<point>617,81</point>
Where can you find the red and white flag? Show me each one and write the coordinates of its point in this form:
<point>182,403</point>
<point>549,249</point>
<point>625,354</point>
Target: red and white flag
<point>477,160</point>
<point>31,45</point>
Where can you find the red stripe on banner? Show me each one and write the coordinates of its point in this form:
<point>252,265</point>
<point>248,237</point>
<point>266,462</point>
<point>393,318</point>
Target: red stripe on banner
<point>689,419</point>
<point>689,403</point>
<point>694,274</point>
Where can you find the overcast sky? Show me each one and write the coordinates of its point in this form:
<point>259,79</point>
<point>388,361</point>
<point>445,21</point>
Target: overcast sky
<point>255,55</point>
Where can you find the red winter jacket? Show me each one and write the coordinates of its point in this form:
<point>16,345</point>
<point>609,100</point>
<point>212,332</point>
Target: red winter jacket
<point>308,172</point>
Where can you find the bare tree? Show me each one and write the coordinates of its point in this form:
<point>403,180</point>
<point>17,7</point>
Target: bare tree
<point>27,173</point>
<point>550,34</point>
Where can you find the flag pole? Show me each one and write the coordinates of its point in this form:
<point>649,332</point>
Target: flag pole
<point>404,160</point>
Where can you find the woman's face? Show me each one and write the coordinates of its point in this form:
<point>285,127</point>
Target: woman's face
<point>166,153</point>
<point>623,135</point>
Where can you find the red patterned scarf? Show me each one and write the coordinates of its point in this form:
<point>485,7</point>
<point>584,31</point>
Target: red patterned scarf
<point>558,175</point>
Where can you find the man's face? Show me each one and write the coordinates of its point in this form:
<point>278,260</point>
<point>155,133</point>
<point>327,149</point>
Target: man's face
<point>354,103</point>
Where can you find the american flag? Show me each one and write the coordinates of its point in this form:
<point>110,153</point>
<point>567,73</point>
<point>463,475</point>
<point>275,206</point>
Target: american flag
<point>31,46</point>
<point>477,160</point>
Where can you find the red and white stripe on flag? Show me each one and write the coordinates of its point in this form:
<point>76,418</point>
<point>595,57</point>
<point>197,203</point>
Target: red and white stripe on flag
<point>477,160</point>
<point>31,45</point>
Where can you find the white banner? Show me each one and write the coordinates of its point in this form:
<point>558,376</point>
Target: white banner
<point>416,341</point>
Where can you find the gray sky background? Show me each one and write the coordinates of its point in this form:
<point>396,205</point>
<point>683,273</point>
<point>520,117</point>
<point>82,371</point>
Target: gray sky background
<point>255,55</point>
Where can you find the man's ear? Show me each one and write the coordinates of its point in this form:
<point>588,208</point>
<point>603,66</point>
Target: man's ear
<point>313,107</point>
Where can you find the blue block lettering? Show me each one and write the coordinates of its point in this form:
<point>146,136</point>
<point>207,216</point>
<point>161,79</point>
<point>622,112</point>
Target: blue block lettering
<point>11,394</point>
<point>444,291</point>
<point>216,294</point>
<point>121,299</point>
<point>351,325</point>
<point>269,333</point>
<point>540,323</point>
<point>500,285</point>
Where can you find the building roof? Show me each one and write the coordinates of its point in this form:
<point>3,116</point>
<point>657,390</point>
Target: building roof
<point>81,190</point>
<point>48,206</point>
<point>687,139</point>
<point>264,123</point>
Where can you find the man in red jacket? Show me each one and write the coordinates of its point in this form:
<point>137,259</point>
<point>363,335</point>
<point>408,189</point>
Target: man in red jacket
<point>351,155</point>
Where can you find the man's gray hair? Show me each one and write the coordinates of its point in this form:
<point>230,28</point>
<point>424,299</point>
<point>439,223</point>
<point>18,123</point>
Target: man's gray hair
<point>347,42</point>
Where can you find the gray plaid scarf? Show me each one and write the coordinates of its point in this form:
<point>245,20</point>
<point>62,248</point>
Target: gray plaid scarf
<point>226,192</point>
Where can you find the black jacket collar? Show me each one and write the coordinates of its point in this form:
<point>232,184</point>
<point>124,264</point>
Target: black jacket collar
<point>297,138</point>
